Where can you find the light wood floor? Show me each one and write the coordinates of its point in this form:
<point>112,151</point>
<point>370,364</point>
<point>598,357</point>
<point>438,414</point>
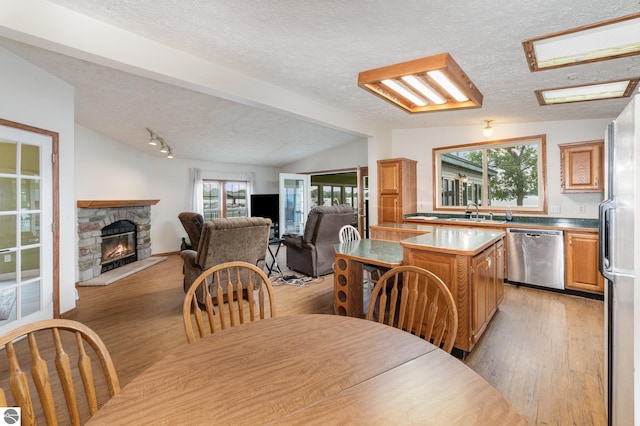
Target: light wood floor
<point>543,351</point>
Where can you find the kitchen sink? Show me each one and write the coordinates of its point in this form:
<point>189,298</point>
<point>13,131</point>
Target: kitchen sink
<point>466,219</point>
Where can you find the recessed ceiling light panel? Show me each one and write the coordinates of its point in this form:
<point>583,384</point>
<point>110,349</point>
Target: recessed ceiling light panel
<point>434,83</point>
<point>603,40</point>
<point>588,92</point>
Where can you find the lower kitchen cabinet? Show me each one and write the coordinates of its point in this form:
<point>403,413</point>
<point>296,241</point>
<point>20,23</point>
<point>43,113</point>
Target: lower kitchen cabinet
<point>581,261</point>
<point>483,291</point>
<point>475,281</point>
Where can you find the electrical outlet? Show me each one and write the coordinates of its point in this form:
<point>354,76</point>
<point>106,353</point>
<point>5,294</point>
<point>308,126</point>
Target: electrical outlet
<point>554,209</point>
<point>581,209</point>
<point>7,258</point>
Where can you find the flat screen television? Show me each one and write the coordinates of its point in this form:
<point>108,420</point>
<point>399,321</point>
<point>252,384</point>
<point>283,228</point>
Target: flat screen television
<point>266,205</point>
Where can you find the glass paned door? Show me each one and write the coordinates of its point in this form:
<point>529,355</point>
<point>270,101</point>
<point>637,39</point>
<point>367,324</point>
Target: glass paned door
<point>294,202</point>
<point>26,253</point>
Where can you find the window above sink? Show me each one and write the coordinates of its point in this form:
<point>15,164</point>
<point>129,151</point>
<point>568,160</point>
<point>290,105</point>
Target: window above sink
<point>496,175</point>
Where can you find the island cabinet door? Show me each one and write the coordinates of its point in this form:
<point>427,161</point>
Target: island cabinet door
<point>483,291</point>
<point>500,271</point>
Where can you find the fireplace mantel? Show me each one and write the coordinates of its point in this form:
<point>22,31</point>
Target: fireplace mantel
<point>100,204</point>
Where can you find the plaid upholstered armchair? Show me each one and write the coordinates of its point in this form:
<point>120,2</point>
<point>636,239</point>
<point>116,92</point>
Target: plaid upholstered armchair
<point>226,240</point>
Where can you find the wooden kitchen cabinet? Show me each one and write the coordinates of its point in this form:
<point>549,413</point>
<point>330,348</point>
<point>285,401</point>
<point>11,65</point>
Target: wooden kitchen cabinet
<point>501,270</point>
<point>474,284</point>
<point>397,190</point>
<point>582,166</point>
<point>581,260</point>
<point>484,291</point>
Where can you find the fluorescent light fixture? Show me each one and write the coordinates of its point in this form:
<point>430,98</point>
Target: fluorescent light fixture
<point>587,92</point>
<point>434,83</point>
<point>421,87</point>
<point>396,87</point>
<point>614,38</point>
<point>448,85</point>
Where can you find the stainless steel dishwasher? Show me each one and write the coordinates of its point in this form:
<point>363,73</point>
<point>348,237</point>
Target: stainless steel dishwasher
<point>535,257</point>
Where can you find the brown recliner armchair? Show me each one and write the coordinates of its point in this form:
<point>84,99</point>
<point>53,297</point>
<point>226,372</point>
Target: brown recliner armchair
<point>192,223</point>
<point>225,240</point>
<point>312,253</point>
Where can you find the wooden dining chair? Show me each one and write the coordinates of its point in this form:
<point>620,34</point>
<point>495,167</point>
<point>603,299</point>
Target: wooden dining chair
<point>235,293</point>
<point>417,301</point>
<point>59,355</point>
<point>351,233</point>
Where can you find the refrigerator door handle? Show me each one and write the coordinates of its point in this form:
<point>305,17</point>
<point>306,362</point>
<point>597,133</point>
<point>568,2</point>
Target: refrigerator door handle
<point>604,252</point>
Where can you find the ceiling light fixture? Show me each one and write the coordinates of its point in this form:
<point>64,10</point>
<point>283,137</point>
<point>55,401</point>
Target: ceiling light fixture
<point>434,83</point>
<point>587,92</point>
<point>613,38</point>
<point>155,140</point>
<point>488,130</point>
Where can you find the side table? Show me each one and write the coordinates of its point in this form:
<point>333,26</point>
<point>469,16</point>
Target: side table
<point>277,242</point>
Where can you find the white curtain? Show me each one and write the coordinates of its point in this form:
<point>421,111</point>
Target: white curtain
<point>196,191</point>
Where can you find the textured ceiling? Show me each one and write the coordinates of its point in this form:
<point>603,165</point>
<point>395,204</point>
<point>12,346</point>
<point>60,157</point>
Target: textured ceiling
<point>317,49</point>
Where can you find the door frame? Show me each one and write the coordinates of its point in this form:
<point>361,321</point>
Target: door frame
<point>55,202</point>
<point>306,179</point>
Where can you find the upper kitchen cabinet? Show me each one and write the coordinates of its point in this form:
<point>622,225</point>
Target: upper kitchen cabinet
<point>397,191</point>
<point>582,166</point>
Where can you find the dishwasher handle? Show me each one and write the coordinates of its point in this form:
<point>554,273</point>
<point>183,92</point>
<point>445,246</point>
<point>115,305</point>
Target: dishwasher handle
<point>535,233</point>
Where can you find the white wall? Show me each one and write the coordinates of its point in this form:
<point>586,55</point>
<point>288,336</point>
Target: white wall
<point>343,157</point>
<point>31,96</point>
<point>417,144</point>
<point>107,169</point>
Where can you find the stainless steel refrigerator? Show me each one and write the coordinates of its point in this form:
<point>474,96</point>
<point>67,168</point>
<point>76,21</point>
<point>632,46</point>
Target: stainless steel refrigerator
<point>619,229</point>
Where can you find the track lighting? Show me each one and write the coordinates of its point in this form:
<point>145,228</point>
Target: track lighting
<point>488,130</point>
<point>155,140</point>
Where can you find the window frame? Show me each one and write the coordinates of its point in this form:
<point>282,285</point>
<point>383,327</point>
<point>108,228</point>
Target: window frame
<point>540,208</point>
<point>223,198</point>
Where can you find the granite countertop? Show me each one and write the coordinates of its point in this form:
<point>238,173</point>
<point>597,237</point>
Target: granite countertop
<point>517,222</point>
<point>448,239</point>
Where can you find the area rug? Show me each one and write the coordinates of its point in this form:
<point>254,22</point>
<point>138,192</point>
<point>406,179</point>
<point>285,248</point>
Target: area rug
<point>294,279</point>
<point>7,302</point>
<point>114,275</point>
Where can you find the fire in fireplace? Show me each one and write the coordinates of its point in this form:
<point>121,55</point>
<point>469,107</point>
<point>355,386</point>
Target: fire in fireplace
<point>118,245</point>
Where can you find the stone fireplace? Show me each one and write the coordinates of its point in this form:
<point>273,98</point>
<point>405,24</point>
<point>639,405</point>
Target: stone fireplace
<point>111,234</point>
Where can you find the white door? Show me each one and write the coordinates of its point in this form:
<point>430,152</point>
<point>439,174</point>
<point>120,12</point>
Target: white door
<point>294,202</point>
<point>26,237</point>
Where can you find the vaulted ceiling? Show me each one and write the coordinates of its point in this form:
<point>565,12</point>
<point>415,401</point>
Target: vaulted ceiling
<point>314,50</point>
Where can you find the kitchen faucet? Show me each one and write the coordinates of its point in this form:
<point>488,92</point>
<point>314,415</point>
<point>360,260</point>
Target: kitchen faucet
<point>477,210</point>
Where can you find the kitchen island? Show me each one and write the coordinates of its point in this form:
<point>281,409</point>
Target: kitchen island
<point>470,261</point>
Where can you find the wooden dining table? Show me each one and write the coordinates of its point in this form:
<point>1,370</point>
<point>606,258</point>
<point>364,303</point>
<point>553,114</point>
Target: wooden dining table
<point>308,369</point>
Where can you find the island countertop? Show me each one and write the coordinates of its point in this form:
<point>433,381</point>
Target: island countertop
<point>446,239</point>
